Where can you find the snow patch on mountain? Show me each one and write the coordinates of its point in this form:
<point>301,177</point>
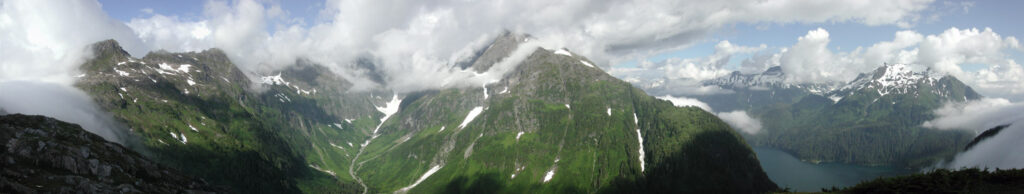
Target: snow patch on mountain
<point>586,63</point>
<point>182,139</point>
<point>389,108</point>
<point>184,68</point>
<point>167,69</point>
<point>122,73</point>
<point>485,92</point>
<point>640,138</point>
<point>893,79</point>
<point>274,80</point>
<point>563,51</point>
<point>472,115</point>
<point>323,170</point>
<point>422,178</point>
<point>550,174</point>
<point>835,98</point>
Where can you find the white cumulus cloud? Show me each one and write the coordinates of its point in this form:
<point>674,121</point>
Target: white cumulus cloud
<point>46,40</point>
<point>406,40</point>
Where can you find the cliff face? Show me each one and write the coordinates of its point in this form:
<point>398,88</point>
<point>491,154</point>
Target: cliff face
<point>45,155</point>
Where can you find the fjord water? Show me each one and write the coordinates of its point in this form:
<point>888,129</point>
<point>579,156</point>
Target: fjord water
<point>788,171</point>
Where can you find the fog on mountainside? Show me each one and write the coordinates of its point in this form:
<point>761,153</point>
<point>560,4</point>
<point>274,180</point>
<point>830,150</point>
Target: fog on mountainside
<point>61,102</point>
<point>998,149</point>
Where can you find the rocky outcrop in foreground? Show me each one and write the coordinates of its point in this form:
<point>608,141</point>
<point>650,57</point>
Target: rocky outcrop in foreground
<point>45,155</point>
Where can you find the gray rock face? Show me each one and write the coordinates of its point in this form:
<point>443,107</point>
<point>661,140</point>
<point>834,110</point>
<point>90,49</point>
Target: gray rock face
<point>45,155</point>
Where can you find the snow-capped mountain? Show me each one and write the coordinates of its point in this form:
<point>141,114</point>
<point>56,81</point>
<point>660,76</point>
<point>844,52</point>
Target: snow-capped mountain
<point>888,79</point>
<point>899,79</point>
<point>302,126</point>
<point>773,78</point>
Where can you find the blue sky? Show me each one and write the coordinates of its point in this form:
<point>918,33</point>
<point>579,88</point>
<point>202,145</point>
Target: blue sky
<point>125,10</point>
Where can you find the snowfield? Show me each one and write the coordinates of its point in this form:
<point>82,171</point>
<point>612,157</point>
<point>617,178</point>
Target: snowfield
<point>640,139</point>
<point>422,178</point>
<point>563,52</point>
<point>549,175</point>
<point>472,115</point>
<point>274,80</point>
<point>390,108</point>
<point>586,63</point>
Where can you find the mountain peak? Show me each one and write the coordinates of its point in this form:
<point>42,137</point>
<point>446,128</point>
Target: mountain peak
<point>897,72</point>
<point>890,77</point>
<point>907,79</point>
<point>775,70</point>
<point>771,78</point>
<point>498,50</point>
<point>109,46</point>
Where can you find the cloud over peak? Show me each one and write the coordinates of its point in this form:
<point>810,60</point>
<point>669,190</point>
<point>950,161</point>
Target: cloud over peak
<point>405,38</point>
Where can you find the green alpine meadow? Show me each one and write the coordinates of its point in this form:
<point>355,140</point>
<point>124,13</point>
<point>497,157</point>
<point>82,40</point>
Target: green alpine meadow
<point>554,124</point>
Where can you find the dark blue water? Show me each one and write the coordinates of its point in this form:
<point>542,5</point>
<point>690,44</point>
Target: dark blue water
<point>788,171</point>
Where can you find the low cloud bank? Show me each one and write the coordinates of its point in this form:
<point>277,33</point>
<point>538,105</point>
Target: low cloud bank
<point>977,115</point>
<point>61,102</point>
<point>739,120</point>
<point>1000,151</point>
<point>684,101</point>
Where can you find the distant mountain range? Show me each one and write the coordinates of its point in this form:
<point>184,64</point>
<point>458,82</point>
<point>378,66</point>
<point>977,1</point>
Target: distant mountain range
<point>874,119</point>
<point>555,123</point>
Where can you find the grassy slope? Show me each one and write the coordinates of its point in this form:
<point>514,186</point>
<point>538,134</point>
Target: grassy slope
<point>242,139</point>
<point>595,152</point>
